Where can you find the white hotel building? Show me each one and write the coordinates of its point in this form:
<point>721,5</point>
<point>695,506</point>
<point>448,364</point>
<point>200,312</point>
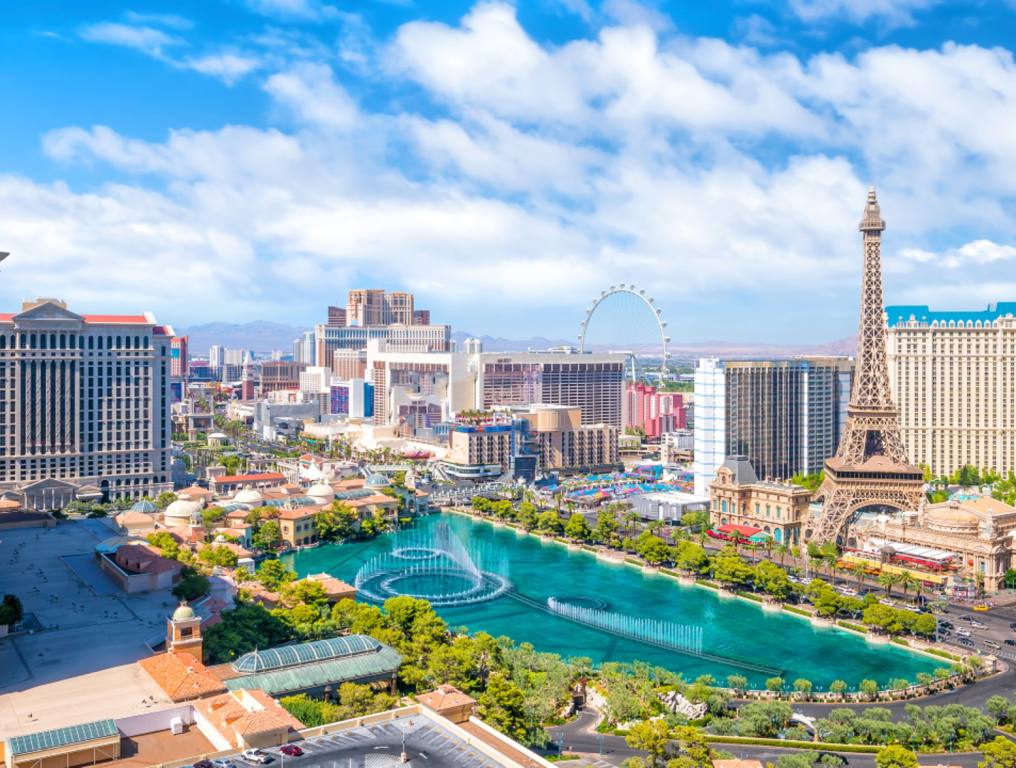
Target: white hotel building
<point>84,406</point>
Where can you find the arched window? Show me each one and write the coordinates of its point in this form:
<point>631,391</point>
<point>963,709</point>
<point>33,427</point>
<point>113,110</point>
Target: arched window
<point>52,341</point>
<point>33,342</point>
<point>723,506</point>
<point>63,341</point>
<point>91,342</point>
<point>119,342</point>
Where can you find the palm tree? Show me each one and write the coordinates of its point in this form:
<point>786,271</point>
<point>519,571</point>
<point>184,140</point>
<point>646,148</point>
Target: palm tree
<point>907,580</point>
<point>886,579</point>
<point>781,550</point>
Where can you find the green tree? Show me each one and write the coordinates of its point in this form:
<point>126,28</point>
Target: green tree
<point>774,684</point>
<point>998,753</point>
<point>303,592</point>
<point>218,555</point>
<point>869,688</point>
<point>737,682</point>
<point>273,574</point>
<point>528,517</point>
<point>895,756</point>
<point>997,707</point>
<point>803,686</point>
<point>337,522</point>
<point>191,586</point>
<point>838,687</point>
<point>549,522</point>
<point>652,549</point>
<point>211,515</point>
<point>577,528</point>
<point>267,536</point>
<point>11,611</point>
<point>607,528</point>
<point>653,738</point>
<point>164,499</point>
<point>503,706</point>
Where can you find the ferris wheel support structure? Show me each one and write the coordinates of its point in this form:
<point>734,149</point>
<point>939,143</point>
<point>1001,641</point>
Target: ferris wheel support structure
<point>657,313</point>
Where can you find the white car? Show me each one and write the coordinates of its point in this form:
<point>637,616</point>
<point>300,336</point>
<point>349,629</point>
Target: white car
<point>256,756</point>
<point>978,625</point>
<point>962,632</point>
<point>848,591</point>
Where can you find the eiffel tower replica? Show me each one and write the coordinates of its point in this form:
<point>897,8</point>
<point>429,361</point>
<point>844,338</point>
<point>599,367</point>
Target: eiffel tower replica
<point>871,467</point>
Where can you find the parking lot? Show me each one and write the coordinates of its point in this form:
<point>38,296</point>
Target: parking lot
<point>381,745</point>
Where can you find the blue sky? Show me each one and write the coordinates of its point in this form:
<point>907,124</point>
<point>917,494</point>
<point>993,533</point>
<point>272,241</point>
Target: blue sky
<point>254,159</point>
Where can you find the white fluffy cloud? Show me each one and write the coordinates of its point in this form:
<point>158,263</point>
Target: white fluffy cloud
<point>530,174</point>
<point>892,11</point>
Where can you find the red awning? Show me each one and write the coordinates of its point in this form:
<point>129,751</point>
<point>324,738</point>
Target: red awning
<point>743,530</point>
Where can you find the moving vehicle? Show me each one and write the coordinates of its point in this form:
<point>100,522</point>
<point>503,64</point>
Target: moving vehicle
<point>967,642</point>
<point>1010,641</point>
<point>291,750</point>
<point>978,625</point>
<point>992,644</point>
<point>963,632</point>
<point>980,607</point>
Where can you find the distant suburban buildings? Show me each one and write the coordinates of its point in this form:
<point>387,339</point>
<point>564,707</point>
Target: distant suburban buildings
<point>85,403</point>
<point>785,416</point>
<point>953,376</point>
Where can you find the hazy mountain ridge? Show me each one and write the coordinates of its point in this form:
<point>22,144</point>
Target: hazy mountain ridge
<point>263,336</point>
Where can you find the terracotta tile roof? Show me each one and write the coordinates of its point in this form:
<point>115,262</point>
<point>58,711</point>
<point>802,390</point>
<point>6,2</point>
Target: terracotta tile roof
<point>257,477</point>
<point>737,763</point>
<point>374,500</point>
<point>445,697</point>
<point>352,482</point>
<point>299,513</point>
<point>181,676</point>
<point>238,514</point>
<point>332,586</point>
<point>228,712</point>
<point>144,559</point>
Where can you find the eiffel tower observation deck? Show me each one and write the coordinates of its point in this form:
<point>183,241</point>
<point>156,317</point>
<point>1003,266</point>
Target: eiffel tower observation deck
<point>871,467</point>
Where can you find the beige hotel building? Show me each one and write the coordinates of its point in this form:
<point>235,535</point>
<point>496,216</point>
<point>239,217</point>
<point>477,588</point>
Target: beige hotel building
<point>953,377</point>
<point>84,406</point>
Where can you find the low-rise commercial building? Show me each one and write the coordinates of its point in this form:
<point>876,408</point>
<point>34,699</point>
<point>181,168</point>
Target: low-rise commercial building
<point>964,544</point>
<point>738,497</point>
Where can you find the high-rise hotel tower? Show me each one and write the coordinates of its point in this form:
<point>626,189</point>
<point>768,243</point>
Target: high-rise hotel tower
<point>84,405</point>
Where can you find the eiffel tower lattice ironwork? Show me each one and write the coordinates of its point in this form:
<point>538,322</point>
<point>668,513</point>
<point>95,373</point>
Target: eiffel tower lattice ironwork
<point>871,466</point>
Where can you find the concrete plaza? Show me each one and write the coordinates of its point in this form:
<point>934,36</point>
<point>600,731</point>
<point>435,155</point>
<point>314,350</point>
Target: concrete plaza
<point>87,626</point>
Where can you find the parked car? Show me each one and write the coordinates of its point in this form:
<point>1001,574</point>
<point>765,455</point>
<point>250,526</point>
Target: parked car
<point>221,762</point>
<point>256,756</point>
<point>203,764</point>
<point>949,625</point>
<point>291,750</point>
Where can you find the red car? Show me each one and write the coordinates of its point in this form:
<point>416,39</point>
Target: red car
<point>291,750</point>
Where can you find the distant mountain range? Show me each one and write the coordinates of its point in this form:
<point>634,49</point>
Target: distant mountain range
<point>263,336</point>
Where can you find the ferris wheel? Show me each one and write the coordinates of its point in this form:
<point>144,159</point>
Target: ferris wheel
<point>649,331</point>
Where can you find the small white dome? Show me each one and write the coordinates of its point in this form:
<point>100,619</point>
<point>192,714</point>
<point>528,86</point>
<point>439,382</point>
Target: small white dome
<point>218,436</point>
<point>321,491</point>
<point>249,496</point>
<point>181,511</point>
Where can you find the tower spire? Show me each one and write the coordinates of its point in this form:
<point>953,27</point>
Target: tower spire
<point>870,467</point>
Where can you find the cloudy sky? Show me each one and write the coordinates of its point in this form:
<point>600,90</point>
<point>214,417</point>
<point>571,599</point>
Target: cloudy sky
<point>231,160</point>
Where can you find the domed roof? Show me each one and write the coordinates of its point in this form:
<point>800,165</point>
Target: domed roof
<point>248,496</point>
<point>183,510</point>
<point>145,506</point>
<point>321,491</point>
<point>953,518</point>
<point>218,436</point>
<point>183,611</point>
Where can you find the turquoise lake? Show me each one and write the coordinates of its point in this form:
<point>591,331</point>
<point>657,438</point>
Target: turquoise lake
<point>733,629</point>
